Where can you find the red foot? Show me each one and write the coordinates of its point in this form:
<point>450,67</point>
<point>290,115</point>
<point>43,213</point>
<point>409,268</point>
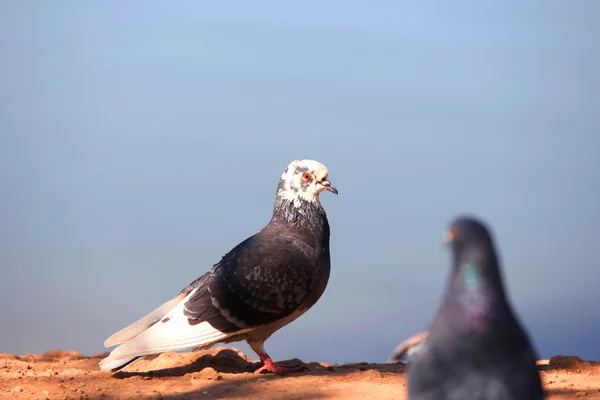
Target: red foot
<point>269,365</point>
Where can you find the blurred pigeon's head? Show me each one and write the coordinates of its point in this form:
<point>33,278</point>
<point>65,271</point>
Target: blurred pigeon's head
<point>303,180</point>
<point>465,232</point>
<point>470,241</point>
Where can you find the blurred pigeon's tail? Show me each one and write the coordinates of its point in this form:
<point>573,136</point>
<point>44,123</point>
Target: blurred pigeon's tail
<point>408,347</point>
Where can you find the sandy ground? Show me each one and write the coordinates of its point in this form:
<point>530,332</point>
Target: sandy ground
<point>225,373</point>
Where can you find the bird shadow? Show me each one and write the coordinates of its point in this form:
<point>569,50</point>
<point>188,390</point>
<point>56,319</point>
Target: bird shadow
<point>571,363</point>
<point>225,361</point>
<point>210,371</point>
<point>248,389</point>
<point>562,393</point>
<point>229,361</point>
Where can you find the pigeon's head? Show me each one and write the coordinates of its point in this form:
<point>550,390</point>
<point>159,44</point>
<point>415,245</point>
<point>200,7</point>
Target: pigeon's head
<point>303,180</point>
<point>470,240</point>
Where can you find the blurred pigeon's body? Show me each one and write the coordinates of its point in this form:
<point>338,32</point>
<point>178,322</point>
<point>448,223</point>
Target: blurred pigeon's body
<point>261,285</point>
<point>476,348</point>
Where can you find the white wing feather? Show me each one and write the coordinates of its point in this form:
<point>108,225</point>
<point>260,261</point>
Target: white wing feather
<point>174,334</point>
<point>143,323</point>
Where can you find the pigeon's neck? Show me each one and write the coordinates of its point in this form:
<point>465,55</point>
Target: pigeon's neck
<point>476,295</point>
<point>304,215</point>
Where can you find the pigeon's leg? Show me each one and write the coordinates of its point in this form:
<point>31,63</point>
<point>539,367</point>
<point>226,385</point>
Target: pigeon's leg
<point>269,365</point>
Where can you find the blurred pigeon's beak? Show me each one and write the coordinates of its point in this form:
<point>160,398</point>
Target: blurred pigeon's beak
<point>327,186</point>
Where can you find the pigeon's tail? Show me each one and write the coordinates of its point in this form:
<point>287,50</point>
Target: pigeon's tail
<point>171,333</point>
<point>143,323</point>
<point>408,347</point>
<point>110,363</point>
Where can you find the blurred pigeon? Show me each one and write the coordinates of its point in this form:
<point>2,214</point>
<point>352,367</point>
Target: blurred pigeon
<point>476,347</point>
<point>261,285</point>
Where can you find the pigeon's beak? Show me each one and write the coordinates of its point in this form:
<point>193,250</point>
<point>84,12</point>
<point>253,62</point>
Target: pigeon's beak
<point>328,186</point>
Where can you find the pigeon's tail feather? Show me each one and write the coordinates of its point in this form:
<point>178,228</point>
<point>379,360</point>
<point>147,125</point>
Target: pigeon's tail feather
<point>174,332</point>
<point>143,323</point>
<point>110,363</point>
<point>408,347</point>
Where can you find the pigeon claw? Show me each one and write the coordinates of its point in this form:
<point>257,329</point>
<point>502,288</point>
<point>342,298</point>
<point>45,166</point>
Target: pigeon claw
<point>282,369</point>
<point>270,366</point>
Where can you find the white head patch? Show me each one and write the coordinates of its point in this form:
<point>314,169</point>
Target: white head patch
<point>302,181</point>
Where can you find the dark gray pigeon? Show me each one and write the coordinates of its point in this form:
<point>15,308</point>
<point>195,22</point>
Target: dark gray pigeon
<point>476,347</point>
<point>261,285</point>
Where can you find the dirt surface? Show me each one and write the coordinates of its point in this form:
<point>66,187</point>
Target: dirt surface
<point>226,373</point>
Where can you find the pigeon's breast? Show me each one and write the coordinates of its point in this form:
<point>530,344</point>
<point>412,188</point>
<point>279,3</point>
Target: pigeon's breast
<point>323,269</point>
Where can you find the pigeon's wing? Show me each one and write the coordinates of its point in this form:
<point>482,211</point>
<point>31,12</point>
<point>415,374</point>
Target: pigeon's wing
<point>262,280</point>
<point>532,383</point>
<point>427,372</point>
<point>516,360</point>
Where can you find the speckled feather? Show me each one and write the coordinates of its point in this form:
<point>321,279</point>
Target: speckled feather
<point>269,275</point>
<point>476,348</point>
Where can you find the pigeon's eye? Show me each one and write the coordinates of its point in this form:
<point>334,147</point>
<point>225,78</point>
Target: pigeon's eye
<point>451,235</point>
<point>307,176</point>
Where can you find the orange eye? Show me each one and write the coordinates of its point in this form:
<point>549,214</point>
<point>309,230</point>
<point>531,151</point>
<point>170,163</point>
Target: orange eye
<point>453,233</point>
<point>450,235</point>
<point>307,176</point>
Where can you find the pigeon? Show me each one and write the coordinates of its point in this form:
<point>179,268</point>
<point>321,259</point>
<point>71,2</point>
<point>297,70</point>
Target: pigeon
<point>260,286</point>
<point>476,347</point>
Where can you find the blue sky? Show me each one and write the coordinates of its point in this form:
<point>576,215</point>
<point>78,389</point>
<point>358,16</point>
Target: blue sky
<point>140,141</point>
